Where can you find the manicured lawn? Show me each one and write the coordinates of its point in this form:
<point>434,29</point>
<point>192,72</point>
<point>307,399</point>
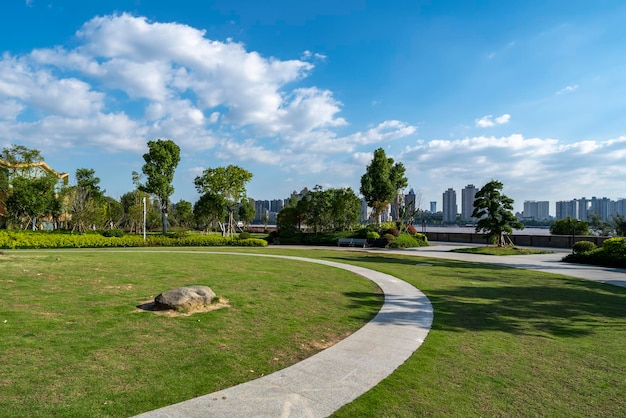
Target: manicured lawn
<point>505,342</point>
<point>493,250</point>
<point>74,344</point>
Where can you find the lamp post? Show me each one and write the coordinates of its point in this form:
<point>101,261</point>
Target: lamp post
<point>144,218</point>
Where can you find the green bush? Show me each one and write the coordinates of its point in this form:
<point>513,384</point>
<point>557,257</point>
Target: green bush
<point>615,246</point>
<point>583,247</point>
<point>24,239</point>
<point>112,233</point>
<point>372,235</point>
<point>245,235</point>
<point>422,238</point>
<point>389,237</point>
<point>404,241</point>
<point>393,231</point>
<point>611,254</point>
<point>407,241</point>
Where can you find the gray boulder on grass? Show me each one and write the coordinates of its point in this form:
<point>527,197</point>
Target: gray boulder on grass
<point>185,298</point>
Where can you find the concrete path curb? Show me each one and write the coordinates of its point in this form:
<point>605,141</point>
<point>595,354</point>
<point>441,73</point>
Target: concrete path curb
<point>321,384</point>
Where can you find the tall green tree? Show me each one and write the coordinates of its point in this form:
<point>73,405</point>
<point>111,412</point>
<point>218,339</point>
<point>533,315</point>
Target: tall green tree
<point>494,212</point>
<point>161,161</point>
<point>31,199</point>
<point>85,201</point>
<point>208,210</point>
<point>382,181</point>
<point>183,213</point>
<point>226,184</point>
<point>28,194</point>
<point>246,211</point>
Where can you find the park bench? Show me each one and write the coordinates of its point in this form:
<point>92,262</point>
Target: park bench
<point>352,242</point>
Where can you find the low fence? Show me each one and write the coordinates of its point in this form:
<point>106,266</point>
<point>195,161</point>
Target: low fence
<point>554,241</point>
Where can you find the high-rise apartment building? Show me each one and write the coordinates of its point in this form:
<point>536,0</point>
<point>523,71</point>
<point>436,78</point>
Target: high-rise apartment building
<point>468,194</point>
<point>567,209</point>
<point>537,210</point>
<point>449,205</point>
<point>433,207</point>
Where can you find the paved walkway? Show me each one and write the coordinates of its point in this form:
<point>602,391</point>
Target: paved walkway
<point>323,383</point>
<point>550,263</point>
<point>319,385</point>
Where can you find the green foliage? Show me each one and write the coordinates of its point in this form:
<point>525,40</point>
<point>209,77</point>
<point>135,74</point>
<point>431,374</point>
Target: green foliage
<point>161,161</point>
<point>569,226</point>
<point>583,247</point>
<point>615,246</point>
<point>226,184</point>
<point>112,233</point>
<point>422,238</point>
<point>406,241</point>
<point>494,212</point>
<point>208,210</point>
<point>611,254</point>
<point>245,235</point>
<point>382,181</point>
<point>619,224</point>
<point>182,214</point>
<point>389,237</point>
<point>372,235</point>
<point>393,231</point>
<point>246,211</point>
<point>30,199</point>
<point>329,210</point>
<point>26,239</point>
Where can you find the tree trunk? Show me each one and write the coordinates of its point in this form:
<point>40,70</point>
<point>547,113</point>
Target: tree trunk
<point>164,220</point>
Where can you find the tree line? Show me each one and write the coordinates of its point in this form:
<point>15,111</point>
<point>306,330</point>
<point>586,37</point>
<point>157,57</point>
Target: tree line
<point>34,199</point>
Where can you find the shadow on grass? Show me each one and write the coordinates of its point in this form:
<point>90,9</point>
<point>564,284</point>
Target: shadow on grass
<point>527,303</point>
<point>563,310</point>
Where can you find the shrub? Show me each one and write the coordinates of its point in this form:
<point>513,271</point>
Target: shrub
<point>393,231</point>
<point>411,230</point>
<point>23,239</point>
<point>389,237</point>
<point>245,235</point>
<point>372,235</point>
<point>179,234</point>
<point>404,241</point>
<point>112,233</point>
<point>615,246</point>
<point>421,238</point>
<point>583,247</point>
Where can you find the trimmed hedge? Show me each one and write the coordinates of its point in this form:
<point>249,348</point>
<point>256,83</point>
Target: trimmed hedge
<point>34,240</point>
<point>611,254</point>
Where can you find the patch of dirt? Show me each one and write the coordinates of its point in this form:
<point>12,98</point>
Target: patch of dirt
<point>150,306</point>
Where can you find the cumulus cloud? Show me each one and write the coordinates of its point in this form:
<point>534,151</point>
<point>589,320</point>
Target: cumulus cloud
<point>152,79</point>
<point>489,122</point>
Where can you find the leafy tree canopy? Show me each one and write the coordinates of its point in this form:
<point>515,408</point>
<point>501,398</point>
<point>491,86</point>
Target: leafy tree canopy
<point>382,181</point>
<point>161,161</point>
<point>569,226</point>
<point>225,183</point>
<point>494,211</point>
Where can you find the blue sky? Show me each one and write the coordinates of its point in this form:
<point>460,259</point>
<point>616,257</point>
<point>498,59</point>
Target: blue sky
<point>531,93</point>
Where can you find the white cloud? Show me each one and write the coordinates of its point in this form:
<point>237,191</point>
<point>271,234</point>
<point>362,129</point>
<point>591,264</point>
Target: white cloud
<point>169,80</point>
<point>567,89</point>
<point>489,122</point>
<point>544,168</point>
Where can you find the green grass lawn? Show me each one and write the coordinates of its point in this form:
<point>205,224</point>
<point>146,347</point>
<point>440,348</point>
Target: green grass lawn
<point>493,250</point>
<point>74,343</point>
<point>505,342</point>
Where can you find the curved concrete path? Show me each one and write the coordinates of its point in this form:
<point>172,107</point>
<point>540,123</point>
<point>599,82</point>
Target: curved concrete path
<point>549,263</point>
<point>321,384</point>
